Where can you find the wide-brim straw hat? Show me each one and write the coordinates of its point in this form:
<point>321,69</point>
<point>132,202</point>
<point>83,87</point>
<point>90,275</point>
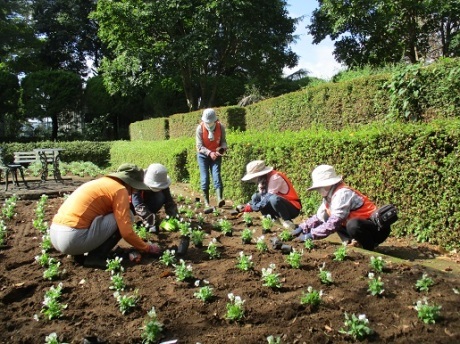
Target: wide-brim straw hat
<point>156,177</point>
<point>255,169</point>
<point>131,175</point>
<point>324,175</point>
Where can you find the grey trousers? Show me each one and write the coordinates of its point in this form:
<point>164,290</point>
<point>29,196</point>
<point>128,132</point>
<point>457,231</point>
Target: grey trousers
<point>73,241</point>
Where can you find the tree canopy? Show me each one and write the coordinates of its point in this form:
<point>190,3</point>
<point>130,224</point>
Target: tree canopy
<point>200,41</point>
<point>376,32</point>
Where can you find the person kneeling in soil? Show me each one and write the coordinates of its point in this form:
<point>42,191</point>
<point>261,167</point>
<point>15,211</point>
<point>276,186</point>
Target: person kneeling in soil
<point>275,195</point>
<point>343,210</point>
<point>97,215</point>
<point>147,203</point>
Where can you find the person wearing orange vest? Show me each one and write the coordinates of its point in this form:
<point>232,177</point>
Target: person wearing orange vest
<point>97,215</point>
<point>276,195</point>
<point>211,144</point>
<point>344,211</point>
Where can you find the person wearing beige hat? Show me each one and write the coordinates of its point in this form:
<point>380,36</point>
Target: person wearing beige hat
<point>147,203</point>
<point>97,215</point>
<point>344,211</point>
<point>211,145</point>
<point>275,196</point>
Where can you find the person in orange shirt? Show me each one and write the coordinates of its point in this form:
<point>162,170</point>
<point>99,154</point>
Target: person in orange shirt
<point>211,144</point>
<point>97,215</point>
<point>344,211</point>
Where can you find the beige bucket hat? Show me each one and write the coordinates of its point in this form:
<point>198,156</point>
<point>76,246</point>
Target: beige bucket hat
<point>131,175</point>
<point>255,169</point>
<point>156,177</point>
<point>322,176</point>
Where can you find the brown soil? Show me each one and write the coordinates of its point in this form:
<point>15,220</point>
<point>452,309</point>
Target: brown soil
<point>93,311</point>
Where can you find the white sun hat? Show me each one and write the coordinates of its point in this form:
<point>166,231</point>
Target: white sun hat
<point>209,116</point>
<point>156,177</point>
<point>255,169</point>
<point>324,175</point>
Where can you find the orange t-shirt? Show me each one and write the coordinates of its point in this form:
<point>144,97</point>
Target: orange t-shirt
<point>100,197</point>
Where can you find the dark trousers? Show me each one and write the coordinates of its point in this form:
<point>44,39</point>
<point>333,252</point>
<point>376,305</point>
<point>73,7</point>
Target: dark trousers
<point>276,207</point>
<point>366,232</point>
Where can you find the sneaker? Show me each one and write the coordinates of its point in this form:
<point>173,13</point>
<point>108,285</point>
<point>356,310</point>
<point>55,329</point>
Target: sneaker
<point>287,224</point>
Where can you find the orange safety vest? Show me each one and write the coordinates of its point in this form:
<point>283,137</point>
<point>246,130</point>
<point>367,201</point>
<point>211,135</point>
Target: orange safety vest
<point>211,145</point>
<point>363,212</point>
<point>291,195</point>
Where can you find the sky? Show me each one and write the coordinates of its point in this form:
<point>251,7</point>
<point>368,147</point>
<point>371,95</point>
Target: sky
<point>317,59</point>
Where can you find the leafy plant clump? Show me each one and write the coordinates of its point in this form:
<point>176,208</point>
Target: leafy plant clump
<point>168,258</point>
<point>244,262</point>
<point>235,309</point>
<point>424,283</point>
<point>325,276</point>
<point>356,326</point>
<point>9,207</point>
<point>246,235</point>
<point>152,328</point>
<point>294,259</point>
<point>426,312</point>
<point>52,307</point>
<point>375,285</point>
<point>212,250</point>
<point>341,253</point>
<point>377,264</point>
<point>183,271</point>
<point>270,278</point>
<point>205,293</point>
<point>312,297</point>
<point>126,302</point>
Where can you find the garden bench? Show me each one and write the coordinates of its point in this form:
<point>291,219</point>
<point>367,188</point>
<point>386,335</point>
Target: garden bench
<point>45,156</point>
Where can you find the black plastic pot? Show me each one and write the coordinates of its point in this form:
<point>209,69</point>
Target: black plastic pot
<point>183,246</point>
<point>276,243</point>
<point>286,249</point>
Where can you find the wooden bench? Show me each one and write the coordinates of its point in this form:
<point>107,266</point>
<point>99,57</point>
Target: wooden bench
<point>43,155</point>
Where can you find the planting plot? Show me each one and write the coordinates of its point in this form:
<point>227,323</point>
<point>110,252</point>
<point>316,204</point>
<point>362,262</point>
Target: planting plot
<point>92,310</point>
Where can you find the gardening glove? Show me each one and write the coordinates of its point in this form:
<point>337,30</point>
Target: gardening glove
<point>245,208</point>
<point>296,232</point>
<point>154,249</point>
<point>304,237</point>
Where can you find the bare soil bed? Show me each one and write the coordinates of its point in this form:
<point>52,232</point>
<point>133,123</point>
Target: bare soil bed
<point>93,311</point>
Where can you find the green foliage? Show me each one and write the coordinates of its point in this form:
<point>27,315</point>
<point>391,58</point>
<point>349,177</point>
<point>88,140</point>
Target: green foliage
<point>312,297</point>
<point>426,312</point>
<point>424,283</point>
<point>152,328</point>
<point>356,326</point>
<point>341,253</point>
<point>235,308</point>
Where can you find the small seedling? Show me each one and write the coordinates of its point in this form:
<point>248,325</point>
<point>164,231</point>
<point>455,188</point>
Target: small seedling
<point>247,218</point>
<point>126,302</point>
<point>312,297</point>
<point>285,235</point>
<point>424,283</point>
<point>341,253</point>
<point>8,209</point>
<point>53,338</point>
<point>270,278</point>
<point>325,276</point>
<point>273,340</point>
<point>294,258</point>
<point>197,237</point>
<point>114,265</point>
<point>426,312</point>
<point>152,328</point>
<point>235,310</point>
<point>267,223</point>
<point>118,282</point>
<point>141,231</point>
<point>53,270</point>
<point>375,285</point>
<point>356,326</point>
<point>168,257</point>
<point>212,249</point>
<point>261,245</point>
<point>309,244</point>
<point>183,271</point>
<point>246,235</point>
<point>377,264</point>
<point>205,293</point>
<point>244,263</point>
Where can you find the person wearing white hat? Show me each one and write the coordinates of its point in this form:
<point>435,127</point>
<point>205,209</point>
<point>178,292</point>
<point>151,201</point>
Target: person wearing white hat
<point>211,144</point>
<point>97,215</point>
<point>276,195</point>
<point>344,211</point>
<point>147,203</point>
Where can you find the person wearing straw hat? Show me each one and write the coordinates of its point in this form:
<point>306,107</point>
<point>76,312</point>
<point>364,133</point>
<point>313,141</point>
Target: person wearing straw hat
<point>211,144</point>
<point>344,211</point>
<point>275,196</point>
<point>97,215</point>
<point>147,203</point>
